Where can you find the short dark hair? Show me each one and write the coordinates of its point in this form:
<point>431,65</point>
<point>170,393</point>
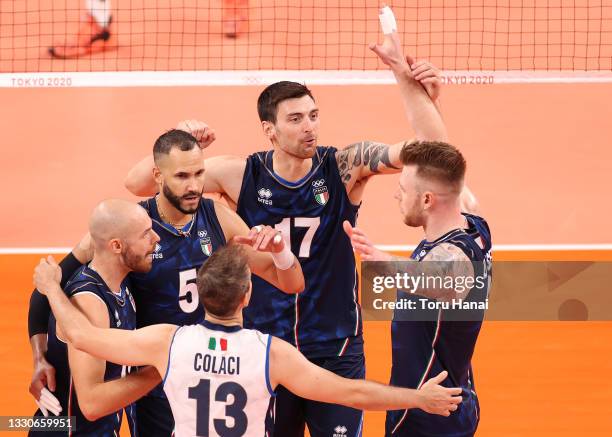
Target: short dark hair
<point>435,160</point>
<point>267,103</point>
<point>171,139</point>
<point>223,280</point>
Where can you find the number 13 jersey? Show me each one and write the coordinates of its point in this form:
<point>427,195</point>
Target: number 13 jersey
<point>325,319</point>
<point>217,381</point>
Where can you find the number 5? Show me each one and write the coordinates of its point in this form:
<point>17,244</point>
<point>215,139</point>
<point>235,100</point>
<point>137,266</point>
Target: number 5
<point>188,291</point>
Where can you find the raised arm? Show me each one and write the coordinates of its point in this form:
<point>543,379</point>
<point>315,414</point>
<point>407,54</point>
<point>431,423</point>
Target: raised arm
<point>366,158</point>
<point>270,260</point>
<point>324,386</point>
<point>146,346</point>
<point>98,398</point>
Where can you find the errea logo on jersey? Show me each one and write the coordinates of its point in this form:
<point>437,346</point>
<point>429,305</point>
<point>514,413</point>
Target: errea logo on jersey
<point>157,254</point>
<point>340,431</point>
<point>320,192</point>
<point>263,196</point>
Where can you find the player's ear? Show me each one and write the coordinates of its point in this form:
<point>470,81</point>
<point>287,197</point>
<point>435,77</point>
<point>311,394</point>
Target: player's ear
<point>428,200</point>
<point>157,175</point>
<point>115,245</point>
<point>247,296</point>
<point>268,129</point>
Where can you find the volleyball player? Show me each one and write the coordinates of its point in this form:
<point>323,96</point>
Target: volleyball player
<point>436,340</point>
<point>92,390</point>
<point>218,376</point>
<point>96,31</point>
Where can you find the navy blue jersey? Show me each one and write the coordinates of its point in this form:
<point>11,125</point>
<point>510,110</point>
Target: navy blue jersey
<point>422,349</point>
<point>325,319</point>
<point>122,315</point>
<point>168,293</point>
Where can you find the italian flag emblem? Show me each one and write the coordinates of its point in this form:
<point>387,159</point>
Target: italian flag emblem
<point>214,345</point>
<point>321,195</point>
<point>206,245</point>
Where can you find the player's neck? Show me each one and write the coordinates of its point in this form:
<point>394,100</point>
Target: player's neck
<point>235,320</point>
<point>289,167</point>
<point>443,222</point>
<point>111,270</point>
<point>169,213</point>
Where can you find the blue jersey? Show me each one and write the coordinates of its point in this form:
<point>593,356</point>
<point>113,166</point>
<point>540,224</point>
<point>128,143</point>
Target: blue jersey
<point>422,349</point>
<point>168,292</point>
<point>122,315</point>
<point>325,319</point>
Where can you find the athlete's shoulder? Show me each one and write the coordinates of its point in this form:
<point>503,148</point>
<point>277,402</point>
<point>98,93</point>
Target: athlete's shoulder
<point>148,204</point>
<point>84,279</point>
<point>478,225</point>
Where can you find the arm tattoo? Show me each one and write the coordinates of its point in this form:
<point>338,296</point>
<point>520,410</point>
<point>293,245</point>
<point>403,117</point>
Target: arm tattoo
<point>449,261</point>
<point>365,153</point>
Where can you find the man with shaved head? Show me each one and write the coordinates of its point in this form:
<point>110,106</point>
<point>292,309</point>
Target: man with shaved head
<point>87,387</point>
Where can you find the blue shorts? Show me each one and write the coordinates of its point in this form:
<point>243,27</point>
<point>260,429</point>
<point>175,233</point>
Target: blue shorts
<point>291,413</point>
<point>417,423</point>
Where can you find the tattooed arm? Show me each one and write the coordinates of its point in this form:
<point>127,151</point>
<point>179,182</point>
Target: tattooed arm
<point>367,158</point>
<point>443,261</point>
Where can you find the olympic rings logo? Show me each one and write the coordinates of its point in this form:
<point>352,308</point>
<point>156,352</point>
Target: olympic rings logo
<point>318,183</point>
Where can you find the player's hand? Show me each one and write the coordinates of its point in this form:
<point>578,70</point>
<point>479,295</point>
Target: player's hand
<point>200,130</point>
<point>363,246</point>
<point>437,399</point>
<point>263,238</point>
<point>43,376</point>
<point>390,52</point>
<point>47,274</point>
<point>427,75</point>
<point>84,250</point>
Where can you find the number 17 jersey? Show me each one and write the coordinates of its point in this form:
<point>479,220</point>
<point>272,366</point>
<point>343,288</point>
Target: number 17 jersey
<point>325,319</point>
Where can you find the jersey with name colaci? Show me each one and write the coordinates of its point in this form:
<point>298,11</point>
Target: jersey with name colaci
<point>217,381</point>
<point>442,339</point>
<point>122,315</point>
<point>325,319</point>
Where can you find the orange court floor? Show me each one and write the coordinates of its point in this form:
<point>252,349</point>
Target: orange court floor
<point>538,161</point>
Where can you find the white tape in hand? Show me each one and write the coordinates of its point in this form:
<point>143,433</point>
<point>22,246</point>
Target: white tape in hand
<point>387,20</point>
<point>49,402</point>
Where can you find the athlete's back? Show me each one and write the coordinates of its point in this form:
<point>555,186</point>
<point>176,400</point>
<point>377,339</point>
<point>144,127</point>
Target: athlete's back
<point>441,341</point>
<point>217,381</point>
<point>122,314</point>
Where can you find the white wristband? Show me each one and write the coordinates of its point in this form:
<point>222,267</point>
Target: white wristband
<point>284,259</point>
<point>387,20</point>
